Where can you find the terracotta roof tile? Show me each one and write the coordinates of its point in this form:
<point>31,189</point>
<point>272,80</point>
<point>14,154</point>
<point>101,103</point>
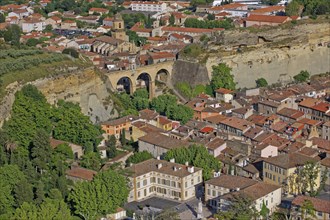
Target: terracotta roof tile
<point>173,169</point>
<point>319,204</point>
<point>81,173</point>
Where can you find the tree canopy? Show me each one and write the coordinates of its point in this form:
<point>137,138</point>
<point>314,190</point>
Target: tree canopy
<point>138,157</point>
<point>195,155</point>
<point>303,76</point>
<point>222,78</point>
<point>107,191</point>
<point>261,82</point>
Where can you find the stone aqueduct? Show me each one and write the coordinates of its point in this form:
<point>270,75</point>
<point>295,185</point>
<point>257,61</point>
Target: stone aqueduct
<point>149,74</point>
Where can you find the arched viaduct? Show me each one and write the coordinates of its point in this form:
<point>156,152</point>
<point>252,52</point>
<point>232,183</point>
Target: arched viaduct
<point>147,74</point>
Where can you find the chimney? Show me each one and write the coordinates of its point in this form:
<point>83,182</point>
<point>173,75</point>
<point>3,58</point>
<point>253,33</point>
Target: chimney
<point>237,189</point>
<point>159,165</point>
<point>158,157</point>
<point>175,168</point>
<point>186,163</point>
<point>191,169</point>
<point>172,160</point>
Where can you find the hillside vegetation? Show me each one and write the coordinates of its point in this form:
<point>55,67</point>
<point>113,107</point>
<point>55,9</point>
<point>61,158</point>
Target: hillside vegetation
<point>28,64</point>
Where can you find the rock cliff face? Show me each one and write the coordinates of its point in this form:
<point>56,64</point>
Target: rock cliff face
<point>192,73</point>
<point>85,87</point>
<point>276,54</point>
<point>275,65</point>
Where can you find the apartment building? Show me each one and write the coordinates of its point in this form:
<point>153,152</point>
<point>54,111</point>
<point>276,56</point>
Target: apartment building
<point>164,179</point>
<point>115,127</point>
<point>148,6</point>
<point>280,169</point>
<point>321,208</point>
<point>219,192</point>
<point>326,130</point>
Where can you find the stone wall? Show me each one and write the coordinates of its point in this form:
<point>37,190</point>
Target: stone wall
<point>192,73</point>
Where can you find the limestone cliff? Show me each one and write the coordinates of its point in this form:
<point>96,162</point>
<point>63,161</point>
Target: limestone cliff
<point>85,87</point>
<point>276,54</point>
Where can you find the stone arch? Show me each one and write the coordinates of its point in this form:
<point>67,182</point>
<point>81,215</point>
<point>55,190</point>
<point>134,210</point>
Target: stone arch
<point>144,81</point>
<point>125,84</point>
<point>162,75</point>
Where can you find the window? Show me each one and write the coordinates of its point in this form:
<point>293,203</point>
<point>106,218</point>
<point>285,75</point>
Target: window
<point>192,181</point>
<point>208,192</point>
<point>199,178</point>
<point>213,193</point>
<point>139,194</point>
<point>186,184</point>
<point>144,182</point>
<point>320,214</point>
<point>153,179</point>
<point>271,200</point>
<point>138,184</point>
<point>173,184</point>
<point>266,202</point>
<point>186,193</point>
<point>145,192</point>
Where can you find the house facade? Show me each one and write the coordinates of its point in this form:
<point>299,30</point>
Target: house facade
<point>164,179</point>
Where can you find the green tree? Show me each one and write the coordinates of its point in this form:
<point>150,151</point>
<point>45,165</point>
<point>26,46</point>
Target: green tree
<point>303,76</point>
<point>2,18</point>
<point>65,151</point>
<point>140,103</point>
<point>71,51</point>
<point>141,93</point>
<point>261,82</point>
<point>139,157</point>
<point>222,78</point>
<point>71,125</point>
<point>30,113</point>
<point>133,37</point>
<point>195,155</point>
<point>180,113</point>
<point>210,17</point>
<point>172,20</point>
<point>48,28</point>
<point>39,195</point>
<point>107,191</point>
<point>167,215</point>
<point>307,210</point>
<point>13,34</point>
<point>32,42</point>
<point>270,2</point>
<point>241,208</point>
<point>123,140</point>
<point>293,9</point>
<point>91,160</point>
<point>264,212</point>
<point>23,192</point>
<point>41,150</point>
<point>309,174</point>
<point>162,102</point>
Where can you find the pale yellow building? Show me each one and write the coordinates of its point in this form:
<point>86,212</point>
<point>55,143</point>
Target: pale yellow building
<point>164,179</point>
<point>282,171</point>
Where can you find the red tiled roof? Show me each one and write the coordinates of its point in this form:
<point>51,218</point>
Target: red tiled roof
<point>98,9</point>
<point>81,173</point>
<point>206,130</point>
<point>187,30</point>
<point>267,18</point>
<point>319,204</point>
<point>322,107</point>
<point>269,9</point>
<point>161,55</point>
<point>223,91</point>
<point>228,6</point>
